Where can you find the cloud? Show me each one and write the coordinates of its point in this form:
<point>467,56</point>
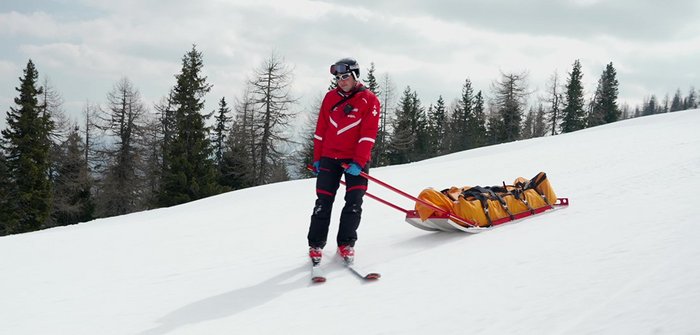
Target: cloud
<point>86,46</point>
<point>37,25</point>
<point>629,19</point>
<point>8,69</point>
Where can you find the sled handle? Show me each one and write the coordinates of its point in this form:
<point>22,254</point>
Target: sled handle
<point>421,201</point>
<point>405,211</point>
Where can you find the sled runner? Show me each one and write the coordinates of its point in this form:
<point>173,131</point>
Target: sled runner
<point>476,209</point>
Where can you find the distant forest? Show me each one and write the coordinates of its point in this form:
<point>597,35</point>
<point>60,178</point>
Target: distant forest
<point>125,156</point>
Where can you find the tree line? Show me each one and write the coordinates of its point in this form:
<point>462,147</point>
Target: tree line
<point>124,157</point>
<point>507,112</point>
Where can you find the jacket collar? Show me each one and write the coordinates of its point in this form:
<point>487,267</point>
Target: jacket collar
<point>344,94</point>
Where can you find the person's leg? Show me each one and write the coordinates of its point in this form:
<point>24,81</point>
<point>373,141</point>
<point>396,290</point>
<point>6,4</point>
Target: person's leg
<point>350,217</point>
<point>327,183</point>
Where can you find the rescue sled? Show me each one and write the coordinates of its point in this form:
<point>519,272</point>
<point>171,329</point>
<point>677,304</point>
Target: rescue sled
<point>433,212</point>
<point>451,223</point>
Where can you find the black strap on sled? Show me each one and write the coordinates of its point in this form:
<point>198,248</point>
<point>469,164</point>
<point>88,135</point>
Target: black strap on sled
<point>477,193</point>
<point>537,180</point>
<point>518,191</point>
<point>523,198</point>
<point>534,183</point>
<point>500,199</point>
<point>483,194</point>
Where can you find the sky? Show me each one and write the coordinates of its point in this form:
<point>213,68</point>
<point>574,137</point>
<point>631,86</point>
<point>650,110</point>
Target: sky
<point>621,259</point>
<point>84,47</point>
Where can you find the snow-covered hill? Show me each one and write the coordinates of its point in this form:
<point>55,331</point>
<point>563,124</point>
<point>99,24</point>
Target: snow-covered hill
<point>622,259</point>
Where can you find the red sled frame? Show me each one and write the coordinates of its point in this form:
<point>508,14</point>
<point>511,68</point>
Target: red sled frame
<point>443,220</point>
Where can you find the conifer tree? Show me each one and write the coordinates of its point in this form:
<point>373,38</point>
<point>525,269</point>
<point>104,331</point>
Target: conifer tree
<point>27,144</point>
<point>165,110</point>
<point>161,135</point>
<point>373,85</point>
<point>221,131</point>
<point>409,138</point>
<point>437,126</point>
<point>494,126</point>
<point>461,120</point>
<point>651,106</point>
<point>573,117</point>
<point>610,94</point>
<point>457,128</point>
<point>692,100</point>
<point>73,201</point>
<point>528,124</point>
<point>478,129</point>
<point>677,102</point>
<point>604,107</point>
<point>371,81</point>
<point>539,127</point>
<point>240,157</point>
<point>510,94</point>
<point>188,170</point>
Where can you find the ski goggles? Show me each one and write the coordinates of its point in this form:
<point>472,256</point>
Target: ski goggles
<point>343,76</point>
<point>341,68</point>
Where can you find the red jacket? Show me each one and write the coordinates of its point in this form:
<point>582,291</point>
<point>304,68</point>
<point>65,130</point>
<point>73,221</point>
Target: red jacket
<point>347,132</point>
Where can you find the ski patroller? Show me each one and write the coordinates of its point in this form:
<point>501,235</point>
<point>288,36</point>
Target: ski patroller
<point>317,272</point>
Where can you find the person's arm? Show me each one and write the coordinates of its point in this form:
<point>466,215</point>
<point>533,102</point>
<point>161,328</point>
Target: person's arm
<point>368,130</point>
<point>321,126</point>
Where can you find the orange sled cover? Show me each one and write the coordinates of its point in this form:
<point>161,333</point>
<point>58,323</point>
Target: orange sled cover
<point>484,205</point>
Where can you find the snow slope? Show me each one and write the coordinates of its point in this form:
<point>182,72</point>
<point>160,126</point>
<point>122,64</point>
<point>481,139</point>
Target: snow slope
<point>623,259</point>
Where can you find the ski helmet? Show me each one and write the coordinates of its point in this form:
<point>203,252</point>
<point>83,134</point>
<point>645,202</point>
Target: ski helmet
<point>346,65</point>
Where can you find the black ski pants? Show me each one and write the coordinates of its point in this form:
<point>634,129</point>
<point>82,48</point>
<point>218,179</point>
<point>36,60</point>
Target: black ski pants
<point>327,183</point>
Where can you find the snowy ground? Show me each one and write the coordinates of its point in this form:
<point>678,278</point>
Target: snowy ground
<point>623,259</point>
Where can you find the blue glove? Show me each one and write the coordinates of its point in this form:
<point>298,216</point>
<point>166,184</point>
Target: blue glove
<point>353,169</point>
<point>317,168</point>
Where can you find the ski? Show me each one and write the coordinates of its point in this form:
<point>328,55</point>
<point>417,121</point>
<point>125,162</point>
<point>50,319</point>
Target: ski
<point>317,275</point>
<point>362,275</point>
